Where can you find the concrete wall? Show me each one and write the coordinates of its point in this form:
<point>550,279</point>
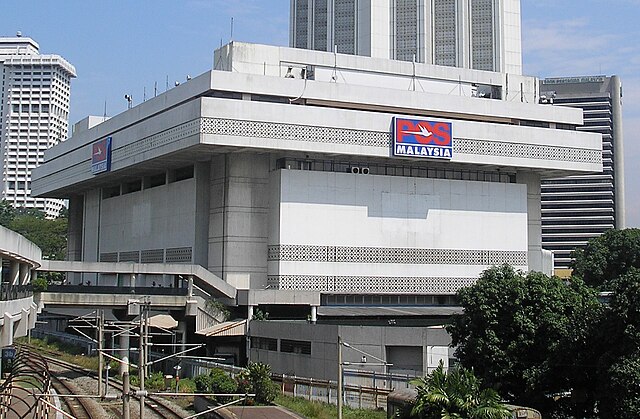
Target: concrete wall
<point>322,363</point>
<point>156,218</point>
<point>392,212</point>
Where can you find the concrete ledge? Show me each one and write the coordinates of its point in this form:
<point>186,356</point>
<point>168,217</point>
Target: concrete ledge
<point>201,277</point>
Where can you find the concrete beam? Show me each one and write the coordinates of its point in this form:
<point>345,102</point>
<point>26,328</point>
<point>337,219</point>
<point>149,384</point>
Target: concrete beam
<point>202,277</point>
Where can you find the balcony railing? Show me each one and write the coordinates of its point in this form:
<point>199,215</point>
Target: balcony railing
<point>105,289</point>
<point>15,292</point>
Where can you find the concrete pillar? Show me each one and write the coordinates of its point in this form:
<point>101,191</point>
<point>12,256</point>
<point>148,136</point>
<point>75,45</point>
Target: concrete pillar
<point>14,275</point>
<point>24,274</point>
<point>534,219</point>
<point>32,277</point>
<point>239,219</point>
<point>182,327</point>
<point>6,335</point>
<point>190,285</point>
<point>124,352</point>
<point>250,313</point>
<point>132,281</point>
<point>314,314</point>
<point>23,323</point>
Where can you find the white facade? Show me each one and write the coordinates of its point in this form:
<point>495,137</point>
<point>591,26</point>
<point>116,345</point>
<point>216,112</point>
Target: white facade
<point>34,116</point>
<point>477,34</point>
<point>257,174</point>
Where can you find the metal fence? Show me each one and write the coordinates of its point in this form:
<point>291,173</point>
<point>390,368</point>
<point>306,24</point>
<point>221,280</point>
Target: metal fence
<point>102,289</point>
<point>362,389</point>
<point>10,292</point>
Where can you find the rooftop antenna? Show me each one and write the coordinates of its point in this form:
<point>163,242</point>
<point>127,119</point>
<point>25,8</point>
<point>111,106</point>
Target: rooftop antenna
<point>231,38</point>
<point>144,93</point>
<point>105,109</point>
<point>155,88</point>
<point>166,86</point>
<point>129,99</point>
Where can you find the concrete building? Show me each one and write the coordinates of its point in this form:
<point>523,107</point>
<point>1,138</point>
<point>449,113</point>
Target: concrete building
<point>349,189</point>
<point>477,34</point>
<point>19,259</point>
<point>578,208</point>
<point>34,115</point>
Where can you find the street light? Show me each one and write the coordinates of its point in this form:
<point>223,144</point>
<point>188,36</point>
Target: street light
<point>341,364</point>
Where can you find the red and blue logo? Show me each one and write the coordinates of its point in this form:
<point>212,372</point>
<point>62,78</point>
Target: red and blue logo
<point>101,156</point>
<point>422,138</point>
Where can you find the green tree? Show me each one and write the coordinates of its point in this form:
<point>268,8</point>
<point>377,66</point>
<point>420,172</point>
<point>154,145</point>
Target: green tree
<point>607,257</point>
<point>456,394</point>
<point>517,330</point>
<point>7,214</point>
<point>619,364</point>
<point>49,235</point>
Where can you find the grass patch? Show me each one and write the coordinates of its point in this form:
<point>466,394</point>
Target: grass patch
<point>318,410</point>
<point>66,352</point>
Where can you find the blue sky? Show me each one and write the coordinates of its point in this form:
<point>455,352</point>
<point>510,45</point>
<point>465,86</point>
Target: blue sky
<point>124,46</point>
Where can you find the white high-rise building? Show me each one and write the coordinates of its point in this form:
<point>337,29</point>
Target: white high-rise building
<point>477,34</point>
<point>34,116</point>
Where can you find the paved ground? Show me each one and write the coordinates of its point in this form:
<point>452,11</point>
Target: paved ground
<point>258,412</point>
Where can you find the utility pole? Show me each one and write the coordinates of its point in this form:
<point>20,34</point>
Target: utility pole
<point>142,360</point>
<point>100,338</point>
<point>126,412</point>
<point>339,377</point>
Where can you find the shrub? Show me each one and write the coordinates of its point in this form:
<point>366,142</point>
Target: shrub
<point>259,375</point>
<point>39,284</point>
<point>216,381</point>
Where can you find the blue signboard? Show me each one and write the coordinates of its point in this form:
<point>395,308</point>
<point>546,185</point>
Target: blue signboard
<point>101,156</point>
<point>422,138</point>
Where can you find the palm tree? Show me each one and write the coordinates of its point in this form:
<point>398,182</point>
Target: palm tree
<point>456,395</point>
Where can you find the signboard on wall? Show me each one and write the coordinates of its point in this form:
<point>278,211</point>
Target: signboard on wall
<point>422,138</point>
<point>101,156</point>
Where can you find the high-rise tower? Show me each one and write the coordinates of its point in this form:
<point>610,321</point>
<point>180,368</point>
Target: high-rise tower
<point>34,115</point>
<point>478,34</point>
<point>578,208</point>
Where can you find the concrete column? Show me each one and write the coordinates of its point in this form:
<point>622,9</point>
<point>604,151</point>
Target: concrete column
<point>190,285</point>
<point>32,277</point>
<point>239,214</point>
<point>6,335</point>
<point>534,219</point>
<point>24,274</point>
<point>250,312</point>
<point>132,281</point>
<point>14,274</point>
<point>124,352</point>
<point>314,314</point>
<point>182,327</point>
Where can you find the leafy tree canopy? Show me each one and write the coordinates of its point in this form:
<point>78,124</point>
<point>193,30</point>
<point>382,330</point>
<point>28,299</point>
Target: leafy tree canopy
<point>607,257</point>
<point>516,330</point>
<point>619,364</point>
<point>49,235</point>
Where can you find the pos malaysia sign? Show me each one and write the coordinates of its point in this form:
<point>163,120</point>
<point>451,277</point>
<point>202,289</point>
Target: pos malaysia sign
<point>422,138</point>
<point>101,156</point>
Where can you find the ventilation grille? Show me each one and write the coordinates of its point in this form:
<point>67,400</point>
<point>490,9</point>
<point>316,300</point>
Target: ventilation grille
<point>179,255</point>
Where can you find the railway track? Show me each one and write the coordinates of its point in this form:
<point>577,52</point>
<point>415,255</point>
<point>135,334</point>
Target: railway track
<point>157,405</point>
<point>78,407</point>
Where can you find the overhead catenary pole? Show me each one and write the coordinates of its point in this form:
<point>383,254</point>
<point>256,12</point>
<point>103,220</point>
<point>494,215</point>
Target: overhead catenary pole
<point>100,338</point>
<point>142,362</point>
<point>339,377</point>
